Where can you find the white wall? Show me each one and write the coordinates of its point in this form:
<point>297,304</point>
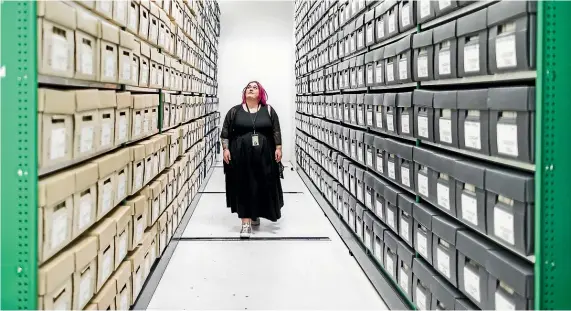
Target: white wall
<point>257,43</point>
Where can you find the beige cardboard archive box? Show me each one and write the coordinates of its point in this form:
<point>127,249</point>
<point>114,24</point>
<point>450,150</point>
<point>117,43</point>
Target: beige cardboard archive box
<point>162,233</point>
<point>126,47</point>
<point>154,104</point>
<point>105,298</point>
<point>85,271</point>
<point>109,45</point>
<point>138,271</point>
<point>124,224</point>
<point>123,118</point>
<point>138,207</point>
<point>55,199</point>
<point>151,246</point>
<point>105,232</point>
<point>104,8</point>
<point>154,23</point>
<point>56,110</point>
<point>124,298</point>
<point>133,16</point>
<point>138,168</point>
<point>56,48</point>
<point>55,283</point>
<point>157,68</point>
<point>106,186</point>
<point>166,110</point>
<point>163,180</point>
<point>123,174</point>
<point>84,198</point>
<point>87,36</point>
<point>120,12</point>
<point>145,65</point>
<point>136,62</point>
<point>138,129</point>
<point>107,106</point>
<point>167,73</point>
<point>163,149</point>
<point>149,152</point>
<point>87,129</point>
<point>152,194</point>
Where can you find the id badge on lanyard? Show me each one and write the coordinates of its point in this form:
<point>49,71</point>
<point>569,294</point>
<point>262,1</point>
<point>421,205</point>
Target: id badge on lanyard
<point>255,137</point>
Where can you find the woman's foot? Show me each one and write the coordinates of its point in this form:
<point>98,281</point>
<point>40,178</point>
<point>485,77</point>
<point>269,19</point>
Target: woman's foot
<point>255,222</point>
<point>246,230</point>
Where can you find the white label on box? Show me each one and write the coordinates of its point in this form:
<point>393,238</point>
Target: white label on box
<point>442,4</point>
<point>138,281</point>
<point>86,141</point>
<point>423,126</point>
<point>369,158</point>
<point>86,64</point>
<point>369,75</point>
<point>389,265</point>
<point>405,15</point>
<point>404,229</point>
<point>106,134</point>
<point>121,186</point>
<point>368,239</point>
<point>368,201</point>
<point>105,6</point>
<point>504,225</point>
<point>160,77</point>
<point>360,193</point>
<point>421,244</point>
<point>124,301</point>
<point>469,209</point>
<point>85,288</point>
<point>420,300</point>
<point>472,57</point>
<point>404,176</point>
<point>403,68</point>
<point>369,118</point>
<point>148,171</point>
<point>85,210</point>
<point>379,119</point>
<point>403,280</point>
<point>472,283</point>
<point>379,73</point>
<point>502,302</point>
<point>443,196</point>
<point>144,74</point>
<point>61,303</point>
<point>378,250</point>
<point>59,227</point>
<point>507,139</point>
<point>133,18</point>
<point>445,130</point>
<point>109,64</point>
<point>107,200</point>
<point>122,127</point>
<point>390,218</point>
<point>423,184</point>
<point>390,72</point>
<point>123,245</point>
<point>360,154</point>
<point>370,34</point>
<point>60,52</point>
<point>139,232</point>
<point>444,62</point>
<point>506,51</point>
<point>156,208</point>
<point>424,8</point>
<point>138,124</point>
<point>443,262</point>
<point>138,177</point>
<point>359,228</point>
<point>381,29</point>
<point>379,209</point>
<point>390,122</point>
<point>392,23</point>
<point>472,134</point>
<point>422,66</point>
<point>405,124</point>
<point>126,72</point>
<point>107,268</point>
<point>146,128</point>
<point>57,143</point>
<point>391,167</point>
<point>360,37</point>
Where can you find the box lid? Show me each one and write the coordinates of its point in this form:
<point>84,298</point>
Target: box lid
<point>55,272</point>
<point>379,229</point>
<point>88,23</point>
<point>85,176</point>
<point>474,246</point>
<point>370,15</point>
<point>444,292</point>
<point>56,102</point>
<point>470,172</point>
<point>106,165</point>
<point>422,98</point>
<point>405,253</point>
<point>391,194</point>
<point>511,270</point>
<point>84,252</point>
<point>512,184</point>
<point>403,44</point>
<point>379,54</point>
<point>515,98</point>
<point>445,99</point>
<point>446,228</point>
<point>122,216</point>
<point>58,11</point>
<point>404,99</point>
<point>109,32</point>
<point>390,51</point>
<point>123,274</point>
<point>380,186</point>
<point>423,213</point>
<point>368,220</point>
<point>504,11</point>
<point>138,205</point>
<point>423,156</point>
<point>472,23</point>
<point>55,188</point>
<point>369,139</point>
<point>105,231</point>
<point>390,240</point>
<point>464,304</point>
<point>389,99</point>
<point>422,39</point>
<point>406,203</point>
<point>445,32</point>
<point>107,99</point>
<point>423,271</point>
<point>473,99</point>
<point>379,143</point>
<point>370,57</point>
<point>124,100</point>
<point>86,100</point>
<point>443,163</point>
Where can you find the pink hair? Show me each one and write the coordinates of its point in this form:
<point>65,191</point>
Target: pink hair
<point>262,95</point>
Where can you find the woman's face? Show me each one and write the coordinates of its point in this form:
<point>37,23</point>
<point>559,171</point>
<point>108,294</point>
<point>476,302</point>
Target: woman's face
<point>252,91</point>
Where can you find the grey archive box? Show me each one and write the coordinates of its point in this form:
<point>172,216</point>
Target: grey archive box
<point>341,43</point>
<point>423,214</point>
<point>423,54</point>
<point>405,114</point>
<point>347,108</point>
<point>344,211</point>
<point>425,176</point>
<point>472,33</point>
<point>405,218</point>
<point>444,295</point>
<point>379,242</point>
<point>369,190</point>
<point>328,103</point>
<point>378,121</point>
<point>341,168</point>
<point>340,202</point>
<point>369,68</point>
<point>343,69</point>
<point>353,144</point>
<point>360,65</point>
<point>510,208</point>
<point>353,73</point>
<point>422,277</point>
<point>407,16</point>
<point>512,33</point>
<point>352,39</point>
<point>405,165</point>
<point>473,253</point>
<point>422,101</point>
<point>352,179</point>
<point>444,244</point>
<point>425,11</point>
<point>360,105</point>
<point>360,212</point>
<point>391,64</point>
<point>360,33</point>
<point>346,178</point>
<point>370,152</point>
<point>512,122</point>
<point>403,51</point>
<point>352,213</point>
<point>445,51</point>
<point>445,198</point>
<point>379,201</point>
<point>380,156</point>
<point>446,118</point>
<point>391,160</point>
<point>380,22</point>
<point>390,259</point>
<point>360,136</point>
<point>464,304</point>
<point>473,121</point>
<point>404,268</point>
<point>338,107</point>
<point>347,141</point>
<point>471,194</point>
<point>360,185</point>
<point>379,66</point>
<point>370,27</point>
<point>510,282</point>
<point>391,18</point>
<point>389,113</point>
<point>369,115</point>
<point>368,232</point>
<point>391,210</point>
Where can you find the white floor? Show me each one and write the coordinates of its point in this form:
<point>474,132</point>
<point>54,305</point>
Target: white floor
<point>281,271</point>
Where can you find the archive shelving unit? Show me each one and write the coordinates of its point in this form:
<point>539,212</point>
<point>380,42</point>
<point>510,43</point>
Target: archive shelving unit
<point>20,80</point>
<point>337,103</point>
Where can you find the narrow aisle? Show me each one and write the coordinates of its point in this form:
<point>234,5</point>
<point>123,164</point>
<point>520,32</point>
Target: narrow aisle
<point>299,262</point>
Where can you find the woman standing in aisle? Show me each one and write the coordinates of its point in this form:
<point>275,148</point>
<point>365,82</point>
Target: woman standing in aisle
<point>252,144</point>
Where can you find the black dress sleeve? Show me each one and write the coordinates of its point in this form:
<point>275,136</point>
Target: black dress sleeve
<point>228,120</point>
<point>276,127</point>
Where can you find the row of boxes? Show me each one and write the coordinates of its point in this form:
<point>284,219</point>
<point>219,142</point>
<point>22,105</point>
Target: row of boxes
<point>76,124</point>
<point>460,263</point>
<point>495,122</point>
<point>467,190</point>
<point>179,109</point>
<point>107,265</point>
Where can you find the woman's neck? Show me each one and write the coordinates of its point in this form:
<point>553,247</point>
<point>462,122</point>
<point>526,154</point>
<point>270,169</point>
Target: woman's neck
<point>252,103</point>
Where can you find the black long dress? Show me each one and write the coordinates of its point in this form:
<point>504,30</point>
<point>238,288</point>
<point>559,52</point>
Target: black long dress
<point>253,187</point>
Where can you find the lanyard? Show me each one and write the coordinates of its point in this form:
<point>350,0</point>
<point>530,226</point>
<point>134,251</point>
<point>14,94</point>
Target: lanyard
<point>255,116</point>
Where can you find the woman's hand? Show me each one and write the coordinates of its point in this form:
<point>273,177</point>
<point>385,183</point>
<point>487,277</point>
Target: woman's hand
<point>278,154</point>
<point>227,157</point>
